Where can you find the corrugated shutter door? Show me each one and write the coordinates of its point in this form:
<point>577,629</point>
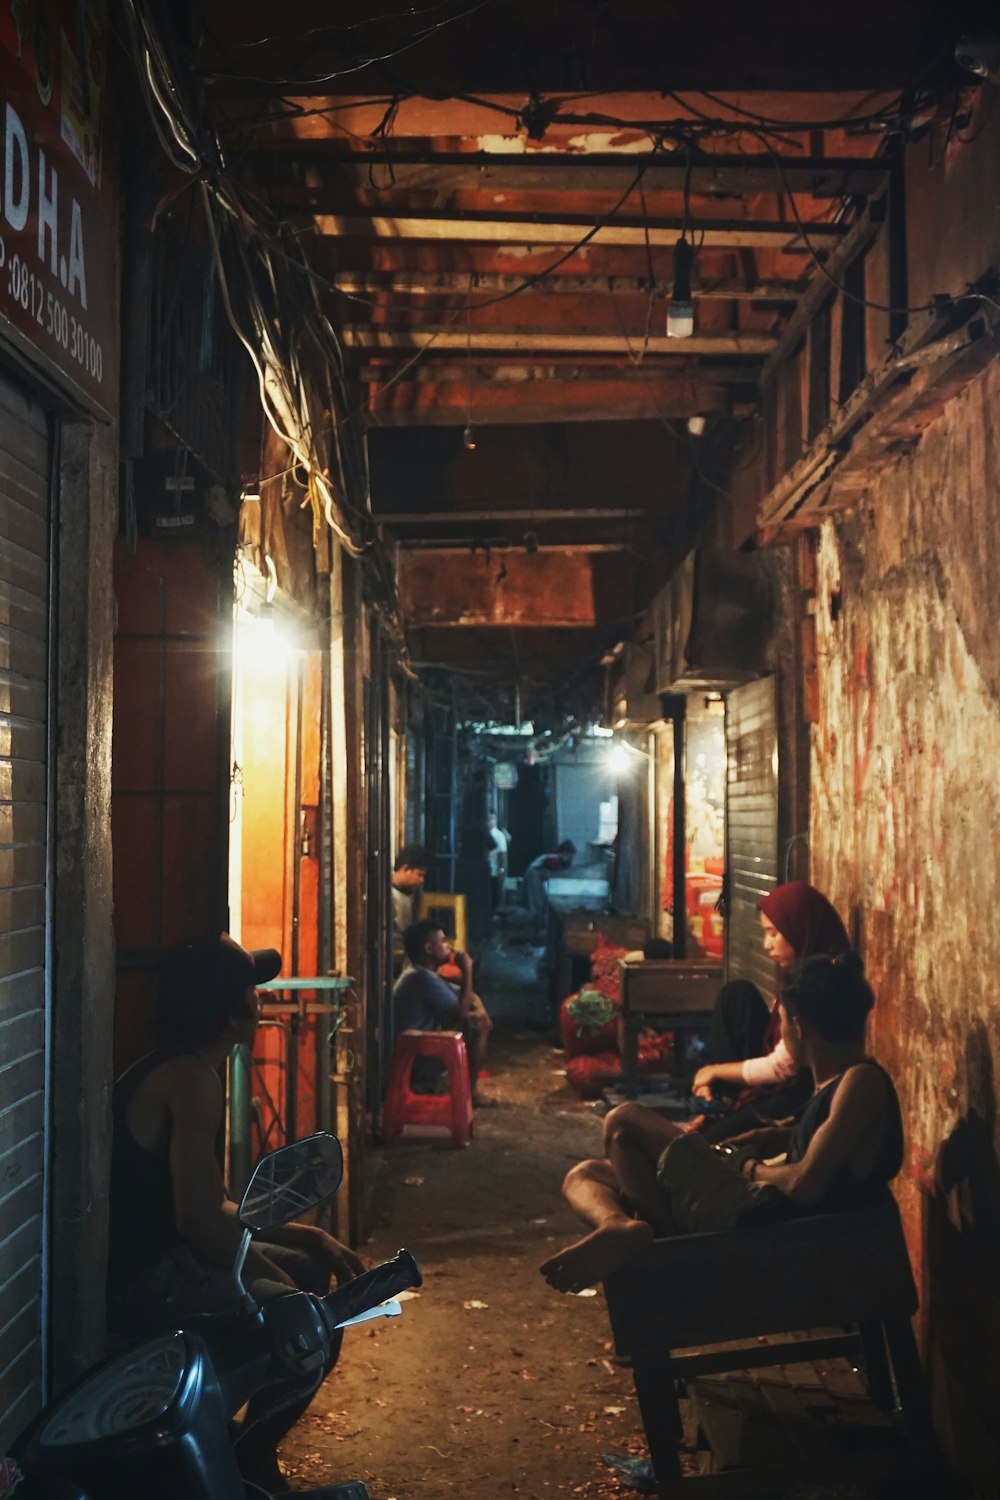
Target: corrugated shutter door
<point>751,826</point>
<point>24,629</point>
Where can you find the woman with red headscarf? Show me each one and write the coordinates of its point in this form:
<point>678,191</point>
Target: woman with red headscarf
<point>797,922</point>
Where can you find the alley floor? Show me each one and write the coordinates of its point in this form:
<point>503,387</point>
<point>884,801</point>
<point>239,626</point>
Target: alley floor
<point>490,1384</point>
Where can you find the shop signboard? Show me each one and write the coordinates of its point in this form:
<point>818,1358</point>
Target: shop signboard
<point>58,208</point>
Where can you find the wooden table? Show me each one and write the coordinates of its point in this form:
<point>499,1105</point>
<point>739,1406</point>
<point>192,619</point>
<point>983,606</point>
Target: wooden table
<point>677,995</point>
<point>580,933</point>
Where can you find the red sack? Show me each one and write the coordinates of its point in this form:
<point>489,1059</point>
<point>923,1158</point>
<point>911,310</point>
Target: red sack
<point>589,1075</point>
<point>604,974</point>
<point>586,1043</point>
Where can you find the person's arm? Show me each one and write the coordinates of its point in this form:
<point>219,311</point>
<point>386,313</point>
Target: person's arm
<point>774,1067</point>
<point>857,1114</point>
<point>716,1073</point>
<point>205,1218</point>
<point>464,1005</point>
<point>340,1260</point>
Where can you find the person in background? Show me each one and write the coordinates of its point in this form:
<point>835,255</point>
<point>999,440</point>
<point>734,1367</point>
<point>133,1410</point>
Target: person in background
<point>537,877</point>
<point>423,1001</point>
<point>497,840</point>
<point>409,872</point>
<point>408,875</point>
<point>751,1062</point>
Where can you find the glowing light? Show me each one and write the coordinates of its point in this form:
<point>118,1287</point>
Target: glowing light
<point>618,759</point>
<point>268,644</point>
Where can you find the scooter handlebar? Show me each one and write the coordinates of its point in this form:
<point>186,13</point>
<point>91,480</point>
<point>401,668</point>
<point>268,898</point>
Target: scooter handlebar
<point>371,1288</point>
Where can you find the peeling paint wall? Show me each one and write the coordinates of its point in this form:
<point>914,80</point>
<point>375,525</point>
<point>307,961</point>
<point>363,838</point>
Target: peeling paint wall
<point>905,816</point>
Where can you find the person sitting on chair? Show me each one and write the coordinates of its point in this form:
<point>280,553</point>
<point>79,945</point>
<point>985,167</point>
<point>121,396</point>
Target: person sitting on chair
<point>657,1180</point>
<point>423,1001</point>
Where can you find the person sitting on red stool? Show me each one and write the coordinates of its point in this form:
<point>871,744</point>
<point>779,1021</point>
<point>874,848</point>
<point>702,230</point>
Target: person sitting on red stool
<point>423,1001</point>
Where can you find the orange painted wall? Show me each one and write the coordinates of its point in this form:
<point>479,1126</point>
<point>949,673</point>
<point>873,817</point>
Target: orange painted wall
<point>271,821</point>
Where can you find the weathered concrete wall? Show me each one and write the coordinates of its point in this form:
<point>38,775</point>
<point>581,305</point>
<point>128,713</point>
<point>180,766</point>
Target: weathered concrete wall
<point>905,813</point>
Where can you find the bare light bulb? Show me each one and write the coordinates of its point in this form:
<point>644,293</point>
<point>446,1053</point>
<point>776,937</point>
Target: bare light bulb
<point>680,313</point>
<point>469,438</point>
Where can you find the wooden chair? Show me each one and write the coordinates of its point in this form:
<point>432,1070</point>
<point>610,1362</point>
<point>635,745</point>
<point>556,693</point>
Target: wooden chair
<point>845,1271</point>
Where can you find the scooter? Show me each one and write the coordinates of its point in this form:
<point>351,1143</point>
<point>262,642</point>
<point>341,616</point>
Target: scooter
<point>158,1421</point>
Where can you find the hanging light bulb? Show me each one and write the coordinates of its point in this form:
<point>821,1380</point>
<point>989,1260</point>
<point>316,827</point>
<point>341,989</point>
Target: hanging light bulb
<point>469,438</point>
<point>680,314</point>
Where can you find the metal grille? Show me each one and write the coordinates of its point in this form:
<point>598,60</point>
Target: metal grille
<point>197,370</point>
<point>751,826</point>
<point>24,633</point>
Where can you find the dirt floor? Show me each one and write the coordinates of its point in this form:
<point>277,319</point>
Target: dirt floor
<point>490,1383</point>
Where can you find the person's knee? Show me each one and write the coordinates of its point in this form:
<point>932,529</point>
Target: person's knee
<point>618,1123</point>
<point>580,1175</point>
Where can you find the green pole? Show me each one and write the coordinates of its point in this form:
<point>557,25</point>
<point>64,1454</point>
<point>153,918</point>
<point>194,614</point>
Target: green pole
<point>239,1119</point>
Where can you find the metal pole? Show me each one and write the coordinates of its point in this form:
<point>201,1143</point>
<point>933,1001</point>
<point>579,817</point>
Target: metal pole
<point>239,1119</point>
<point>675,709</point>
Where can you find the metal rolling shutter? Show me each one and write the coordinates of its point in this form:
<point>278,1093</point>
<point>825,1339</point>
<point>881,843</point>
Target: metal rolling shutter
<point>751,826</point>
<point>24,632</point>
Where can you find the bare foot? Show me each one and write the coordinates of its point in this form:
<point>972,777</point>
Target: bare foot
<point>598,1254</point>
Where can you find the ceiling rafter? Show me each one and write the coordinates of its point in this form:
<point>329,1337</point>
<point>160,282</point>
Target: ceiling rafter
<point>566,229</point>
<point>450,171</point>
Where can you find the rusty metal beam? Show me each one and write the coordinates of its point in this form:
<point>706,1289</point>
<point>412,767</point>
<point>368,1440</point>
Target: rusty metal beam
<point>356,336</point>
<point>539,590</point>
<point>567,228</point>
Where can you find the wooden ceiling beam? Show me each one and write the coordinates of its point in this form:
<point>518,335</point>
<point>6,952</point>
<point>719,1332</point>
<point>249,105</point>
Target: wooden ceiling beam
<point>502,547</point>
<point>370,255</point>
<point>567,229</point>
<point>540,515</point>
<point>679,379</point>
<point>532,403</point>
<point>711,174</point>
<point>559,283</point>
<point>356,336</point>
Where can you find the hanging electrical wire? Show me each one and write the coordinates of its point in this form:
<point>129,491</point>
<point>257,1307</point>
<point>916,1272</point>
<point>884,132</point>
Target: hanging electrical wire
<point>370,60</point>
<point>263,331</point>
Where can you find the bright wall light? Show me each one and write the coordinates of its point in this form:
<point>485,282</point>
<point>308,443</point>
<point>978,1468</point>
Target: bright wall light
<point>268,643</point>
<point>619,759</point>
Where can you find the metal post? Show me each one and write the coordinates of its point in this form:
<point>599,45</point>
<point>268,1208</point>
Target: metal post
<point>239,1119</point>
<point>675,709</point>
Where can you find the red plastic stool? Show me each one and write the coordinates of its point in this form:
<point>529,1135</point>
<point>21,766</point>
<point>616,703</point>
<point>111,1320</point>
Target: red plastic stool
<point>403,1107</point>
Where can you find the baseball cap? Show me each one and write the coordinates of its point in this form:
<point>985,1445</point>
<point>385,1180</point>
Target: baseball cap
<point>217,966</point>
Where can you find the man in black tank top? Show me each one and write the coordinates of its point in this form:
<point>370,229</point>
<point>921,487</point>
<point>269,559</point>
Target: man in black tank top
<point>174,1234</point>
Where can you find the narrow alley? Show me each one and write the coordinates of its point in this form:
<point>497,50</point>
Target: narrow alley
<point>490,1383</point>
<point>498,625</point>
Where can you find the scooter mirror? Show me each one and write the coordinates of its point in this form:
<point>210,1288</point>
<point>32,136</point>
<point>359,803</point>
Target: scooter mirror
<point>291,1181</point>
